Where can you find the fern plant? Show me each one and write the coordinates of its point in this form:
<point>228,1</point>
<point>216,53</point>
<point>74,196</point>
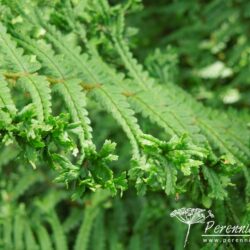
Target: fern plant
<point>98,140</point>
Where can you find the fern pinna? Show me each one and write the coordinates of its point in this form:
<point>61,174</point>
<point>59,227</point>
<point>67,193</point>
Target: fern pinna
<point>97,145</point>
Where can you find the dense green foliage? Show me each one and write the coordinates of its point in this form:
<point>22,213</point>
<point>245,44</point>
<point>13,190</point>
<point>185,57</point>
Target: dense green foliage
<point>113,114</point>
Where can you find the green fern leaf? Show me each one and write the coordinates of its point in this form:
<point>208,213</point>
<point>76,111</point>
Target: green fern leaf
<point>90,213</point>
<point>43,238</point>
<point>5,97</point>
<point>30,241</point>
<point>15,61</point>
<point>69,89</point>
<point>18,231</point>
<point>98,240</point>
<point>58,233</point>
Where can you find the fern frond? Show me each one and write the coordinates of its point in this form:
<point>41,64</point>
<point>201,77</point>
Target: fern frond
<point>58,233</point>
<point>18,230</point>
<point>166,112</point>
<point>12,58</point>
<point>90,213</point>
<point>85,230</point>
<point>74,97</point>
<point>221,136</point>
<point>219,129</point>
<point>209,126</point>
<point>155,104</point>
<point>5,97</point>
<point>217,189</point>
<point>29,238</point>
<point>70,90</point>
<point>135,69</point>
<point>180,102</point>
<point>7,233</point>
<point>44,238</point>
<point>98,239</point>
<point>88,73</point>
<point>113,101</point>
<point>119,218</point>
<point>40,91</point>
<point>115,33</point>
